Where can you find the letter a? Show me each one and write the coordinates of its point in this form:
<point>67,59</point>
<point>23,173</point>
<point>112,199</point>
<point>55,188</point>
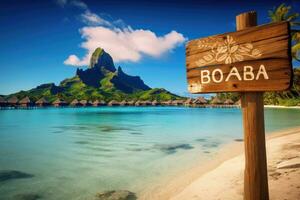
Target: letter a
<point>234,72</point>
<point>248,73</point>
<point>262,70</point>
<point>205,75</point>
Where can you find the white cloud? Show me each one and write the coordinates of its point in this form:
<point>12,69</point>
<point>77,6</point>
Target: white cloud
<point>76,3</point>
<point>79,4</point>
<point>125,44</point>
<point>73,60</point>
<point>93,19</point>
<point>61,3</point>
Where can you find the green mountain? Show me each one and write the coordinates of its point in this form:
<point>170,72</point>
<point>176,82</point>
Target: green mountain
<point>100,81</point>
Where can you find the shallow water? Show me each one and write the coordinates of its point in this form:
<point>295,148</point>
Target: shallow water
<point>73,153</point>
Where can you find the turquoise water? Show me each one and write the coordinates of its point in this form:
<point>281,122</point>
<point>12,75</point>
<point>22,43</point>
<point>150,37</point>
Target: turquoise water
<point>73,153</point>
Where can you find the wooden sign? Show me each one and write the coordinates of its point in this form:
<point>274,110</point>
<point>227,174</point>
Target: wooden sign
<point>254,59</point>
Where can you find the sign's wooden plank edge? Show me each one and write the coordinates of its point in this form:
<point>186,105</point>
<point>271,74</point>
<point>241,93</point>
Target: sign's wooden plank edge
<point>256,44</point>
<point>290,57</point>
<point>246,31</point>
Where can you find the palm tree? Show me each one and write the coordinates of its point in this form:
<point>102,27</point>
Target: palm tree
<point>283,13</point>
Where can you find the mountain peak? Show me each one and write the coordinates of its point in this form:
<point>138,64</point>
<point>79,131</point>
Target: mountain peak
<point>100,59</point>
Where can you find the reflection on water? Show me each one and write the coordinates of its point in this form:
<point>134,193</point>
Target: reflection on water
<point>72,153</point>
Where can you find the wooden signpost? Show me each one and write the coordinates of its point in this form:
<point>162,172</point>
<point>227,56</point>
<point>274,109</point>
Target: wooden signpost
<point>251,60</point>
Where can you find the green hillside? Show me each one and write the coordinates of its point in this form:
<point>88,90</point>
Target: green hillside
<point>102,81</point>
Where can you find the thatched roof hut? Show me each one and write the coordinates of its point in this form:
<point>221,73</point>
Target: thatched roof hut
<point>96,103</point>
<point>228,102</point>
<point>123,103</point>
<point>200,101</point>
<point>188,102</point>
<point>138,103</point>
<point>59,102</point>
<point>83,102</point>
<point>3,102</point>
<point>177,102</point>
<point>238,102</point>
<point>13,101</point>
<point>113,103</point>
<point>146,103</point>
<point>155,103</point>
<point>216,100</point>
<point>25,102</point>
<point>75,102</point>
<point>102,103</point>
<point>164,103</point>
<point>42,102</point>
<point>168,103</point>
<point>131,103</point>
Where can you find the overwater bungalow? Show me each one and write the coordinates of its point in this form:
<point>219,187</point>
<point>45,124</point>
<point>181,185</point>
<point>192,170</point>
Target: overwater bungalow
<point>85,103</point>
<point>75,103</point>
<point>177,102</point>
<point>12,101</point>
<point>42,102</point>
<point>164,103</point>
<point>200,101</point>
<point>216,101</point>
<point>131,103</point>
<point>138,103</point>
<point>96,103</point>
<point>188,102</point>
<point>3,102</point>
<point>228,102</point>
<point>102,103</point>
<point>155,103</point>
<point>168,103</point>
<point>59,103</point>
<point>238,102</point>
<point>25,102</point>
<point>113,103</point>
<point>147,103</point>
<point>123,103</point>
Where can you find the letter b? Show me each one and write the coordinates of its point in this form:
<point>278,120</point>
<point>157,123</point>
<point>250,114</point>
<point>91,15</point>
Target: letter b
<point>248,73</point>
<point>205,76</point>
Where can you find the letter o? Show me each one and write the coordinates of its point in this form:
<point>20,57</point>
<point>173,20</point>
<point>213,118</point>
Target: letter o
<point>214,74</point>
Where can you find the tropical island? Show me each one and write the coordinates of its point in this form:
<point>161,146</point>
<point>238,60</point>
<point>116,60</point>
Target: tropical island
<point>97,132</point>
<point>102,84</point>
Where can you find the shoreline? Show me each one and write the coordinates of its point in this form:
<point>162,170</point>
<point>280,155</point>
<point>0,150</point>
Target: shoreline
<point>277,106</point>
<point>204,176</point>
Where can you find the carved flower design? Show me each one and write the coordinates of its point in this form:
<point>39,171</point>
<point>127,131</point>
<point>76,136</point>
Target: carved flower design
<point>227,51</point>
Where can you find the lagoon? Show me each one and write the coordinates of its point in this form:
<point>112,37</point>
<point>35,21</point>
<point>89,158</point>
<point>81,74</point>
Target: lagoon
<point>74,153</point>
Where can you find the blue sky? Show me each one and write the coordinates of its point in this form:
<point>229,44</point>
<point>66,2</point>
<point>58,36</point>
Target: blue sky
<point>37,37</point>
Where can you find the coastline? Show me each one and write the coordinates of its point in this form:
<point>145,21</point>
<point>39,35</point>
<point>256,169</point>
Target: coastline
<point>222,176</point>
<point>276,106</point>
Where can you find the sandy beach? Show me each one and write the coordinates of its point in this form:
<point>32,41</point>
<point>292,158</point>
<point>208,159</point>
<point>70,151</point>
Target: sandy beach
<point>287,107</point>
<point>222,177</point>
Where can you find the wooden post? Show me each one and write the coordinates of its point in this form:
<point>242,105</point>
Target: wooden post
<point>256,174</point>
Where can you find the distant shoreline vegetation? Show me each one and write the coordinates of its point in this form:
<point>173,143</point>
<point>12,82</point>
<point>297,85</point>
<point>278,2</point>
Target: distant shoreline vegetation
<point>14,103</point>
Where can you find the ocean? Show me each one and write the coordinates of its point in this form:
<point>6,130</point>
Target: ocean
<point>75,153</point>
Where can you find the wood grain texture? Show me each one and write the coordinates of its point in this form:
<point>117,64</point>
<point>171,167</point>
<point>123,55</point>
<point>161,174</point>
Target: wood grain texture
<point>256,174</point>
<point>268,45</point>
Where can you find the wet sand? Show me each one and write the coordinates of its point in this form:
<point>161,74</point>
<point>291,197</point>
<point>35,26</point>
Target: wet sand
<point>221,178</point>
